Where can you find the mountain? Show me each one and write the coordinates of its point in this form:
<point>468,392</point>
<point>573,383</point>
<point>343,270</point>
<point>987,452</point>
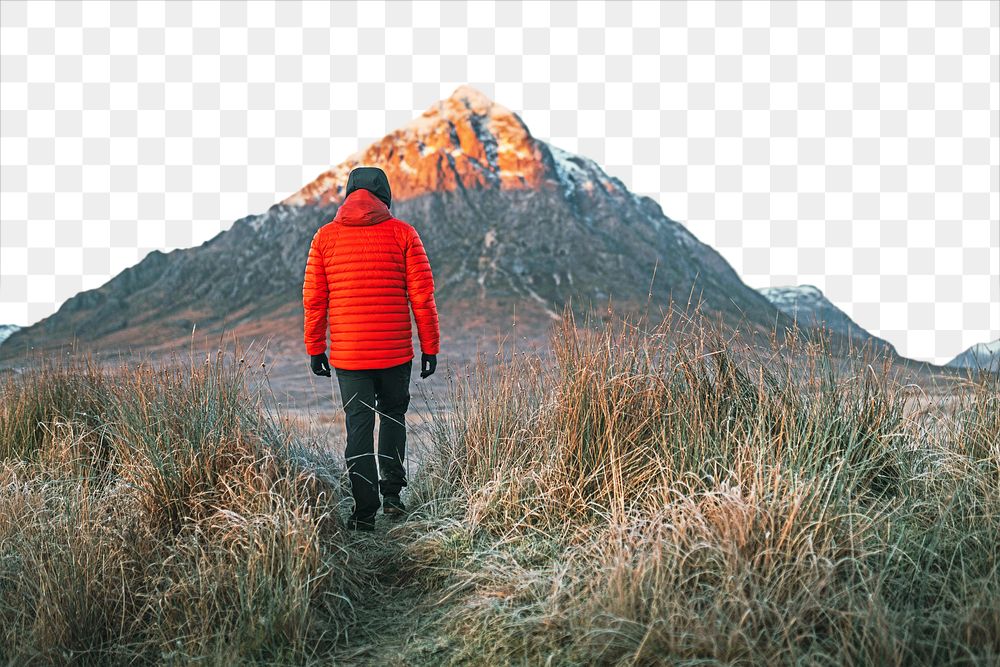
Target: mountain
<point>807,305</point>
<point>984,356</point>
<point>514,227</point>
<point>6,330</point>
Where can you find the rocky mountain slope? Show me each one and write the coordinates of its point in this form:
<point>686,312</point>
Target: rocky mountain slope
<point>514,227</point>
<point>807,305</point>
<point>985,356</point>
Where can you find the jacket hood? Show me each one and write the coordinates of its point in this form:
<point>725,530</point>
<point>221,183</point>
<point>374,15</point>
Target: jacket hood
<point>361,208</point>
<point>372,179</point>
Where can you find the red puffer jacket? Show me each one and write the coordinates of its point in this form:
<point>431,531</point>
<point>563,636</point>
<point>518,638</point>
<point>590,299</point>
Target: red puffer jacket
<point>366,269</point>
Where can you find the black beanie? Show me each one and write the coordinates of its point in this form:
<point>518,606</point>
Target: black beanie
<point>372,179</point>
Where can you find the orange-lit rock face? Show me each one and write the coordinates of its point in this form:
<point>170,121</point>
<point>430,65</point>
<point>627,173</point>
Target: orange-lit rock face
<point>465,139</point>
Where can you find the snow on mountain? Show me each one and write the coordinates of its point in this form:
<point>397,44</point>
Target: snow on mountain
<point>795,297</point>
<point>810,308</point>
<point>981,355</point>
<point>6,330</point>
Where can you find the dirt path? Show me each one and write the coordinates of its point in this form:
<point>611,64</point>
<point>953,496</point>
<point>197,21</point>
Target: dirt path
<point>395,612</point>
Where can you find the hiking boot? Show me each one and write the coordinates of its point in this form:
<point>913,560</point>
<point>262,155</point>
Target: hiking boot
<point>354,523</point>
<point>393,506</point>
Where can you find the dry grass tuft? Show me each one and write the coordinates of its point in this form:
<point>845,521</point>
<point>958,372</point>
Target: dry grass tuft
<point>668,496</point>
<point>162,515</point>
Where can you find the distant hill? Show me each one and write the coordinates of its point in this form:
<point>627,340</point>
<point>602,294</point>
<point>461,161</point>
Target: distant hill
<point>6,330</point>
<point>807,305</point>
<point>985,356</point>
<point>513,226</point>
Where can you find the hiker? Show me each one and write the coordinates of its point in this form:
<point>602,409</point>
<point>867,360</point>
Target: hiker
<point>366,269</point>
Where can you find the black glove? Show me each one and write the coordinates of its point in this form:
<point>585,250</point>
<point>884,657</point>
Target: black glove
<point>320,364</point>
<point>428,364</point>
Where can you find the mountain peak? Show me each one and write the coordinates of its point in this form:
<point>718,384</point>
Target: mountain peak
<point>464,141</point>
<point>471,97</point>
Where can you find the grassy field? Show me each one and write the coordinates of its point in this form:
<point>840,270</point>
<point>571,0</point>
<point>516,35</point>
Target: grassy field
<point>657,495</point>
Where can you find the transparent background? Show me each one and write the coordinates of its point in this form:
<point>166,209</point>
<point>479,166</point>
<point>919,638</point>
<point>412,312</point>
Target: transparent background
<point>849,145</point>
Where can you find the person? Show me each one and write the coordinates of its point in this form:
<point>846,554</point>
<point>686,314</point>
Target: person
<point>366,270</point>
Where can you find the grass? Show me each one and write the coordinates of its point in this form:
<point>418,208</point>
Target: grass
<point>647,495</point>
<point>667,496</point>
<point>162,516</point>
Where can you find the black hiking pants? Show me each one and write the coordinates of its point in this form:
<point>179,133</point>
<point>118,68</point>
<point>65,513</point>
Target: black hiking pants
<point>363,393</point>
